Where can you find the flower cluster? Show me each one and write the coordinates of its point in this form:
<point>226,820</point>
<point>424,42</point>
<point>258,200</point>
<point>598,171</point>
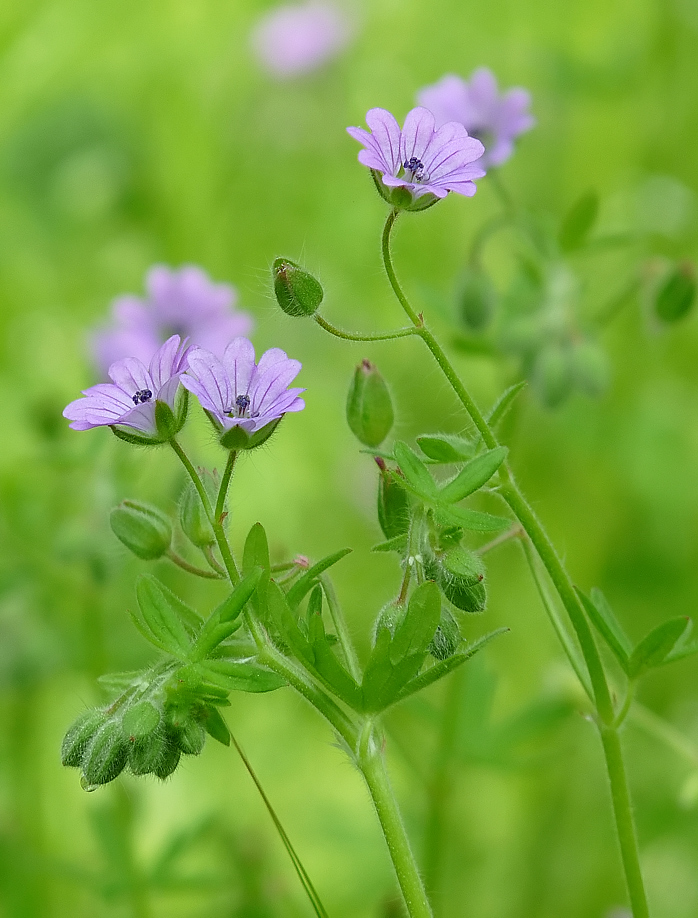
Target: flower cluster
<point>185,302</point>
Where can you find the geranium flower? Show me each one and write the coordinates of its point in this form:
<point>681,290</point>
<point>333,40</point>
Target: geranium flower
<point>417,165</point>
<point>141,404</point>
<point>182,301</point>
<point>291,40</point>
<point>243,399</point>
<point>495,118</point>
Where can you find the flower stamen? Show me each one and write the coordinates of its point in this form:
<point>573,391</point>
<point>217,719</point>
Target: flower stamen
<point>142,396</point>
<point>414,170</point>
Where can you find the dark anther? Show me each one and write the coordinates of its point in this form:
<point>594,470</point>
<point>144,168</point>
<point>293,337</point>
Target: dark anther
<point>143,395</point>
<point>243,403</point>
<point>416,167</point>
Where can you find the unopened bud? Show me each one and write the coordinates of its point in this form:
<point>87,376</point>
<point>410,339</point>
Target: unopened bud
<point>477,299</point>
<point>447,637</point>
<point>461,575</point>
<point>143,529</point>
<point>369,407</point>
<point>106,755</point>
<point>146,753</point>
<point>393,503</point>
<point>298,293</point>
<point>676,294</point>
<point>79,735</point>
<point>191,737</point>
<point>140,719</point>
<point>192,516</point>
<point>552,374</point>
<point>170,757</point>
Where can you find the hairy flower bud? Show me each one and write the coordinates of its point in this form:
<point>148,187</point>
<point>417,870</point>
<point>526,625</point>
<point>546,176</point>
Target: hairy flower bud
<point>446,638</point>
<point>393,503</point>
<point>476,299</point>
<point>143,529</point>
<point>79,735</point>
<point>147,752</point>
<point>389,617</point>
<point>191,737</point>
<point>106,755</point>
<point>461,575</point>
<point>369,407</point>
<point>297,292</point>
<point>192,516</point>
<point>676,294</point>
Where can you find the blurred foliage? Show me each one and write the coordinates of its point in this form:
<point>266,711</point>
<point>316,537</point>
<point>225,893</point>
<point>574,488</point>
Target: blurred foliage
<point>132,133</point>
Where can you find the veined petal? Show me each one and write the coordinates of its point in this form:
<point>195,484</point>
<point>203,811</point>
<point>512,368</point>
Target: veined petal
<point>211,374</point>
<point>417,134</point>
<point>269,385</point>
<point>386,131</point>
<point>238,360</point>
<point>170,360</point>
<point>131,375</point>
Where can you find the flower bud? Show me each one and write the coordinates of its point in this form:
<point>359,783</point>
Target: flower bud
<point>191,737</point>
<point>140,719</point>
<point>79,735</point>
<point>147,752</point>
<point>170,758</point>
<point>552,374</point>
<point>477,298</point>
<point>298,293</point>
<point>106,755</point>
<point>143,529</point>
<point>461,575</point>
<point>393,503</point>
<point>447,637</point>
<point>369,407</point>
<point>192,516</point>
<point>676,294</point>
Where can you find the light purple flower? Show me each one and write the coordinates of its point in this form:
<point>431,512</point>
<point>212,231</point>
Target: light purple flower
<point>495,118</point>
<point>418,158</point>
<point>184,302</point>
<point>239,394</point>
<point>295,39</point>
<point>129,400</point>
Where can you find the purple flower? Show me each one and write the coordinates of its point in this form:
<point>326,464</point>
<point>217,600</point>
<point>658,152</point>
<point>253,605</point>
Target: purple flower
<point>128,404</point>
<point>244,400</point>
<point>485,113</point>
<point>419,163</point>
<point>184,302</point>
<point>290,40</point>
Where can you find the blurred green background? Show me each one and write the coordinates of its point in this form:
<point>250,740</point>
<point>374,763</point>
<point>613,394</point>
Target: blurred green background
<point>135,132</point>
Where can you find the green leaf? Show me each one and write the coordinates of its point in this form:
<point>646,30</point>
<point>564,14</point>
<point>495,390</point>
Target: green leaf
<point>504,403</point>
<point>417,628</point>
<point>285,620</point>
<point>655,648</point>
<point>326,665</point>
<point>256,550</point>
<point>304,584</point>
<point>579,222</point>
<point>216,727</point>
<point>398,544</point>
<point>160,609</point>
<point>605,622</point>
<point>473,475</point>
<point>446,448</point>
<point>677,293</point>
<point>441,669</point>
<point>383,680</point>
<point>231,607</point>
<point>417,476</point>
<point>474,520</point>
<point>248,676</point>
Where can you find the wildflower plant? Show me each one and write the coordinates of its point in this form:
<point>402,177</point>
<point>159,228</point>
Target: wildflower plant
<point>281,623</point>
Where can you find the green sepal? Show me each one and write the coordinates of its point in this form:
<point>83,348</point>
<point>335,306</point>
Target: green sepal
<point>215,726</point>
<point>654,649</point>
<point>192,516</point>
<point>106,755</point>
<point>446,448</point>
<point>126,434</point>
<point>161,614</point>
<point>417,476</point>
<point>447,637</point>
<point>579,222</point>
<point>414,633</point>
<point>237,439</point>
<point>143,529</point>
<point>473,475</point>
<point>79,735</point>
<point>304,584</point>
<point>608,626</point>
<point>169,759</point>
<point>398,544</point>
<point>297,292</point>
<point>369,409</point>
<point>145,754</point>
<point>140,719</point>
<point>191,737</point>
<point>165,420</point>
<point>393,503</point>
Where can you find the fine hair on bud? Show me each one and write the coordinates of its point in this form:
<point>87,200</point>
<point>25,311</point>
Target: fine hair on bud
<point>461,576</point>
<point>297,292</point>
<point>143,529</point>
<point>370,412</point>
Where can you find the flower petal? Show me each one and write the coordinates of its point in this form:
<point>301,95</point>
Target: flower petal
<point>131,375</point>
<point>214,385</point>
<point>386,132</point>
<point>238,360</point>
<point>417,134</point>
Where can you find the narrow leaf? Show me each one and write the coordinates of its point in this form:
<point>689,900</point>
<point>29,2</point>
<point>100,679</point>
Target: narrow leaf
<point>607,625</point>
<point>504,403</point>
<point>446,448</point>
<point>656,647</point>
<point>231,607</point>
<point>415,631</point>
<point>397,543</point>
<point>474,520</point>
<point>304,584</point>
<point>216,726</point>
<point>285,620</point>
<point>161,615</point>
<point>241,676</point>
<point>417,476</point>
<point>256,550</point>
<point>473,475</point>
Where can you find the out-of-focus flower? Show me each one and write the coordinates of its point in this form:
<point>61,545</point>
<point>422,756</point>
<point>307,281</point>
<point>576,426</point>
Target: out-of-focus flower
<point>417,165</point>
<point>244,400</point>
<point>130,402</point>
<point>495,118</point>
<point>185,302</point>
<point>295,39</point>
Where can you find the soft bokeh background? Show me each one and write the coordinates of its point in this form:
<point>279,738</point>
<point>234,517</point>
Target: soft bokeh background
<point>136,132</point>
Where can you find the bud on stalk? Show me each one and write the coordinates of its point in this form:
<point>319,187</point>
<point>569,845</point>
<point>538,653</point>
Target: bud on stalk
<point>369,407</point>
<point>393,503</point>
<point>143,529</point>
<point>297,292</point>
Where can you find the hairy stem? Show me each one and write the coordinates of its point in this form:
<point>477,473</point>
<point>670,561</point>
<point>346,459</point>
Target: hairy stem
<point>191,568</point>
<point>225,484</point>
<point>352,336</point>
<point>340,626</point>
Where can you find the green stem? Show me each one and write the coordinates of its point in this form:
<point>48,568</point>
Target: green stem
<point>216,525</point>
<point>372,766</point>
<point>625,825</point>
<point>351,336</point>
<point>211,558</point>
<point>191,568</point>
<point>225,484</point>
<point>563,585</point>
<point>295,860</point>
<point>507,536</point>
<point>340,627</point>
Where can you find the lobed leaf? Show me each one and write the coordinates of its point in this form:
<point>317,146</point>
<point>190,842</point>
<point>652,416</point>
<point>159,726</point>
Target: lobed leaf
<point>475,520</point>
<point>414,633</point>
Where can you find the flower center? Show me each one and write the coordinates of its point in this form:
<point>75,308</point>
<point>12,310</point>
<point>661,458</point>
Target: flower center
<point>414,170</point>
<point>143,395</point>
<point>241,407</point>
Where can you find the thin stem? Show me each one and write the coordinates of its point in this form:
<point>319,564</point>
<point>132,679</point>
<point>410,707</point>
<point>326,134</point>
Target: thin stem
<point>191,568</point>
<point>340,626</point>
<point>514,533</point>
<point>225,484</point>
<point>625,708</point>
<point>352,336</point>
<point>622,809</point>
<point>216,525</point>
<point>372,764</point>
<point>212,560</point>
<point>306,882</point>
<point>390,270</point>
